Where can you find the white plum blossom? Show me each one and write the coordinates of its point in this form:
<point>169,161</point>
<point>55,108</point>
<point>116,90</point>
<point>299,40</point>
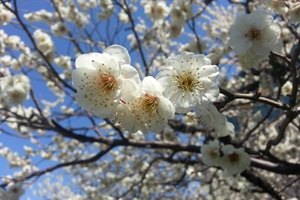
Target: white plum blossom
<point>156,10</point>
<point>15,42</point>
<point>213,120</point>
<point>188,80</point>
<point>254,35</point>
<point>38,16</point>
<point>181,10</point>
<point>14,89</point>
<point>44,43</point>
<point>101,78</point>
<point>14,191</point>
<point>175,30</point>
<point>59,29</point>
<point>211,153</point>
<point>147,111</point>
<point>234,161</point>
<point>107,7</point>
<point>63,61</point>
<point>5,15</point>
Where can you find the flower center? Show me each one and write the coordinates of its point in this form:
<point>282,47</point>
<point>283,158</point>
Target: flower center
<point>234,158</point>
<point>253,34</point>
<point>214,153</point>
<point>15,94</point>
<point>160,10</point>
<point>149,104</point>
<point>108,83</point>
<point>186,82</point>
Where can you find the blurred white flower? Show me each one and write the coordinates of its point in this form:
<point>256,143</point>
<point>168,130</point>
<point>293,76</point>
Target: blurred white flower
<point>41,15</point>
<point>100,80</point>
<point>294,12</point>
<point>123,17</point>
<point>175,30</point>
<point>188,80</point>
<point>44,43</point>
<point>254,35</point>
<point>63,61</point>
<point>211,153</point>
<point>14,42</point>
<point>14,89</point>
<point>213,120</point>
<point>286,89</point>
<point>194,47</point>
<point>277,6</point>
<point>14,191</point>
<point>5,15</point>
<point>234,160</point>
<point>59,29</point>
<point>107,8</point>
<point>181,10</point>
<point>148,111</point>
<point>156,10</point>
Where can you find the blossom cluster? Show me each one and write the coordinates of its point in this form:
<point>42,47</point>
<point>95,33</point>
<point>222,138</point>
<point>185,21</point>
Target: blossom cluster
<point>110,87</point>
<point>14,89</point>
<point>232,160</point>
<point>5,15</point>
<point>180,11</point>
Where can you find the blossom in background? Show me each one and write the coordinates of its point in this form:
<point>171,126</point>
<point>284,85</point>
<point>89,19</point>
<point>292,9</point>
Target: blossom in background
<point>175,30</point>
<point>148,111</point>
<point>107,8</point>
<point>59,29</point>
<point>211,153</point>
<point>195,46</point>
<point>5,15</point>
<point>294,12</point>
<point>181,10</point>
<point>278,6</point>
<point>63,61</point>
<point>234,161</point>
<point>254,35</point>
<point>14,191</point>
<point>44,43</point>
<point>188,80</point>
<point>14,89</point>
<point>213,120</point>
<point>101,78</point>
<point>156,10</point>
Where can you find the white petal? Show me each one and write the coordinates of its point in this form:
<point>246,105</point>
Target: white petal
<point>212,90</point>
<point>85,60</point>
<point>151,86</point>
<point>260,19</point>
<point>81,76</point>
<point>119,53</point>
<point>209,71</point>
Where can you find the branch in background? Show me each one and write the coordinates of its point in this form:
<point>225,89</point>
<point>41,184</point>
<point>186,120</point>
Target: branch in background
<point>139,44</point>
<point>233,96</point>
<point>72,163</point>
<point>258,181</point>
<point>24,27</point>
